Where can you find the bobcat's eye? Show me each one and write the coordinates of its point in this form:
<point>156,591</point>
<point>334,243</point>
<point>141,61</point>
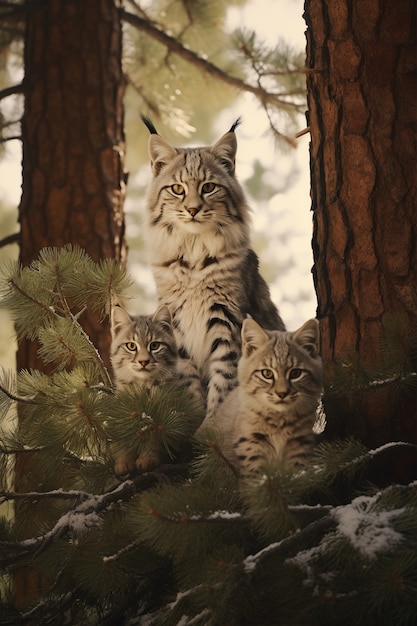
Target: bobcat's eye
<point>208,187</point>
<point>295,373</point>
<point>178,189</point>
<point>154,346</point>
<point>131,346</point>
<point>268,374</point>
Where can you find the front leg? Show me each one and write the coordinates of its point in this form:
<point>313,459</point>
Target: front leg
<point>223,333</point>
<point>189,376</point>
<point>222,379</point>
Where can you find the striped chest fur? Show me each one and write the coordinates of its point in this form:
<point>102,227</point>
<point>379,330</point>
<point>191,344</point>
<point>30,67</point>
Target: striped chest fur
<point>204,269</point>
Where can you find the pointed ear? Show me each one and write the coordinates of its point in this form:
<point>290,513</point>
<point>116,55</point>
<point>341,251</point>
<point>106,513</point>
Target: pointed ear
<point>253,336</point>
<point>118,318</point>
<point>225,151</point>
<point>308,337</point>
<point>163,316</point>
<point>160,153</point>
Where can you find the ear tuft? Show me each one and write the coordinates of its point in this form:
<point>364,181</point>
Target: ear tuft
<point>235,125</point>
<point>225,151</point>
<point>149,125</point>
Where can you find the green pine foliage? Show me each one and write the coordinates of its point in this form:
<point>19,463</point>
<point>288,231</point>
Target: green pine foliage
<point>187,543</point>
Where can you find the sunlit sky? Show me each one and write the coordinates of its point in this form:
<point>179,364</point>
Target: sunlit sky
<point>287,216</point>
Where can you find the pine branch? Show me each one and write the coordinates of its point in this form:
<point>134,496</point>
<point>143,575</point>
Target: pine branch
<point>120,553</point>
<point>11,451</point>
<point>10,91</point>
<point>48,310</point>
<point>283,548</point>
<point>86,514</point>
<point>15,398</point>
<point>7,496</point>
<point>374,453</point>
<point>43,608</point>
<point>9,239</point>
<point>264,96</point>
<point>392,379</point>
<point>11,138</point>
<point>391,444</point>
<point>102,368</point>
<point>216,448</point>
<point>74,318</point>
<point>214,518</point>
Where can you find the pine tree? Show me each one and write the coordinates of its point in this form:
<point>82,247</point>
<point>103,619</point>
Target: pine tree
<point>188,543</point>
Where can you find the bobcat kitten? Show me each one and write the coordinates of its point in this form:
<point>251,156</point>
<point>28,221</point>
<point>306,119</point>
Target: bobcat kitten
<point>143,348</point>
<point>204,269</point>
<point>143,352</point>
<point>271,414</point>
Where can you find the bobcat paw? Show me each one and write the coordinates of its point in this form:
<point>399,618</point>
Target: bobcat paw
<point>148,461</point>
<point>123,466</point>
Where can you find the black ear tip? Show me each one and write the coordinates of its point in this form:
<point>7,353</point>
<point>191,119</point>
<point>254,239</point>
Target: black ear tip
<point>235,125</point>
<point>149,125</point>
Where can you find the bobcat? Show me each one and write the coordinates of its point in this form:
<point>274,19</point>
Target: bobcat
<point>204,268</point>
<point>271,414</point>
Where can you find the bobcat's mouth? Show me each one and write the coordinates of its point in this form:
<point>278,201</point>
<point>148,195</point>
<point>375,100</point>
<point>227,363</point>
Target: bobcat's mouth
<point>195,226</point>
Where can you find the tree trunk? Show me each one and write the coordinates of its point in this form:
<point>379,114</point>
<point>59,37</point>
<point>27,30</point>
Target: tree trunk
<point>73,163</point>
<point>363,155</point>
<point>73,137</point>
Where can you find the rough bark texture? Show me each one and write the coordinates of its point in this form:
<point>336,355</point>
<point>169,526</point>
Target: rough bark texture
<point>73,165</point>
<point>73,137</point>
<point>363,156</point>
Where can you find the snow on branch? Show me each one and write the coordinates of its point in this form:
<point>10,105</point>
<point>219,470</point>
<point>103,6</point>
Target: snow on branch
<point>282,548</point>
<point>214,517</point>
<point>369,531</point>
<point>87,513</point>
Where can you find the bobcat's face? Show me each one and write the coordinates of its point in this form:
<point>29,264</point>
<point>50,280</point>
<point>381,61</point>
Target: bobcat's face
<point>197,206</point>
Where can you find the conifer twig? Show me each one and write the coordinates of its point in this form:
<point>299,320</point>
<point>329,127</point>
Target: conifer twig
<point>214,518</point>
<point>102,368</point>
<point>369,454</point>
<point>121,552</point>
<point>12,451</point>
<point>282,548</point>
<point>16,398</point>
<point>6,496</point>
<point>214,446</point>
<point>392,379</point>
<point>9,239</point>
<point>48,310</point>
<point>10,91</point>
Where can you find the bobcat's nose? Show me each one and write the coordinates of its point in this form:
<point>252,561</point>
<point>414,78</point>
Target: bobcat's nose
<point>144,363</point>
<point>282,394</point>
<point>193,210</point>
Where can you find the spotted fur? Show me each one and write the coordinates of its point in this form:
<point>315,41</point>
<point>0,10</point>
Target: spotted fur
<point>202,263</point>
<point>271,414</point>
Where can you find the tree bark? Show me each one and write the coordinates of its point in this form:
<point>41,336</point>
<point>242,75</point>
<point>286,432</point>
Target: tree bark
<point>363,155</point>
<point>73,138</point>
